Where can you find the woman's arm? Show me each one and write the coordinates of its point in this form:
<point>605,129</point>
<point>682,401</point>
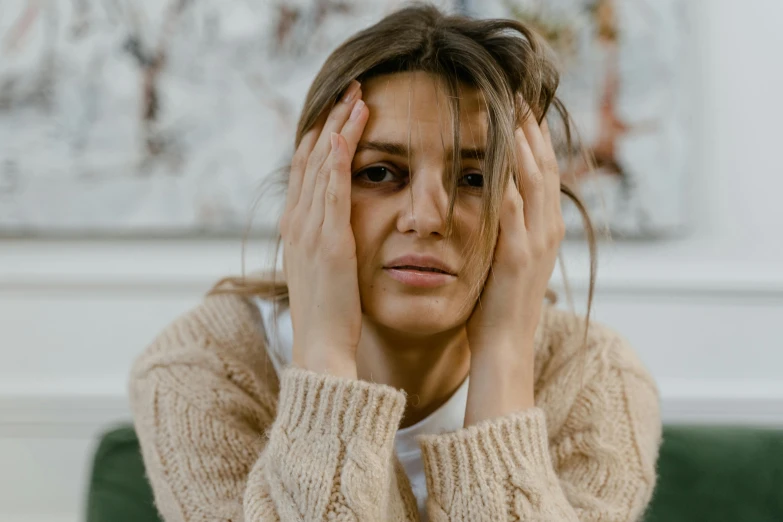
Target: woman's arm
<point>216,447</point>
<point>203,414</point>
<point>330,452</point>
<point>595,461</point>
<point>508,464</point>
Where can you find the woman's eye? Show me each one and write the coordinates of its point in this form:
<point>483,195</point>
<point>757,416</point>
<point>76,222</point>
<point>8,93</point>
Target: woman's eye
<point>472,180</point>
<point>376,175</point>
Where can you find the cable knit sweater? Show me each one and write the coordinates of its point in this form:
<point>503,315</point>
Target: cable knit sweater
<point>224,439</point>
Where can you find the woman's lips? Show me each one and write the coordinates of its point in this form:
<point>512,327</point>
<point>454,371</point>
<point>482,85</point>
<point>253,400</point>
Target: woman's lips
<point>419,277</point>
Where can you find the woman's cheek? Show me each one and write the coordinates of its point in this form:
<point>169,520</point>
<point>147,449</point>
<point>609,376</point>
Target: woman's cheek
<point>467,221</point>
<point>368,252</point>
<point>362,225</point>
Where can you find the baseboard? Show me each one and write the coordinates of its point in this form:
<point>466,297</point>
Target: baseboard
<point>61,415</point>
<point>64,415</point>
<point>751,411</point>
<point>40,518</point>
<point>723,403</point>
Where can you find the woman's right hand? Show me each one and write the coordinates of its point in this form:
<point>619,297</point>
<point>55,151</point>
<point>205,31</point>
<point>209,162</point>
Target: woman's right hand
<point>319,253</point>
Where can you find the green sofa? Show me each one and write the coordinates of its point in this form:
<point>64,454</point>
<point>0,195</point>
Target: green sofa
<point>705,473</point>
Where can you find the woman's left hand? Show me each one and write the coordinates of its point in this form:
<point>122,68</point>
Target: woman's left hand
<point>501,329</point>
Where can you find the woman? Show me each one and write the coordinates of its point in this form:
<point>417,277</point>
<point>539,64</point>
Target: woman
<point>413,370</point>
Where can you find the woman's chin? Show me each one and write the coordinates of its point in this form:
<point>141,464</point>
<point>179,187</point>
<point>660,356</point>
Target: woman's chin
<point>416,315</point>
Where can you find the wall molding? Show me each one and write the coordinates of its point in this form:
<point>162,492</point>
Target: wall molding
<point>76,517</point>
<point>188,266</point>
<point>61,415</point>
<point>67,415</point>
<point>751,411</point>
<point>728,402</point>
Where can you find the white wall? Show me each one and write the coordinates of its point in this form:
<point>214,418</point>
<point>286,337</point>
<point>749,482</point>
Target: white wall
<point>703,310</point>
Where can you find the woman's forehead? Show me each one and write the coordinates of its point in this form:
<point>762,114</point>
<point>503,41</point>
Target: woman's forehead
<point>418,101</point>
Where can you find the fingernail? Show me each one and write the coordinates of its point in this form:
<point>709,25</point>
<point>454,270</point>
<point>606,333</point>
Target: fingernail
<point>357,109</point>
<point>350,94</point>
<point>335,142</point>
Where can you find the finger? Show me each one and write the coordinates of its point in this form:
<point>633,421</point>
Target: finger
<point>532,183</point>
<point>354,127</point>
<point>337,118</point>
<point>316,215</point>
<point>299,164</point>
<point>552,180</point>
<point>546,134</point>
<point>534,137</point>
<point>338,166</point>
<point>338,193</point>
<point>512,216</point>
<point>546,159</point>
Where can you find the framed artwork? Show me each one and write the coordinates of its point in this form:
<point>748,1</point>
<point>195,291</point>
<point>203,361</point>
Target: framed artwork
<point>165,117</point>
<point>155,117</point>
<point>623,80</point>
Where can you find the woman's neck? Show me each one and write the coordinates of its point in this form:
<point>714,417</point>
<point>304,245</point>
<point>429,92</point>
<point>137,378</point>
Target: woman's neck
<point>429,369</point>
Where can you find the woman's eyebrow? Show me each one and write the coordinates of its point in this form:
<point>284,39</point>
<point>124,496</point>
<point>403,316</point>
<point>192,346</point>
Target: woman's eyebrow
<point>400,149</point>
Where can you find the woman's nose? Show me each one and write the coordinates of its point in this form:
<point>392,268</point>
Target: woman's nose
<point>425,206</point>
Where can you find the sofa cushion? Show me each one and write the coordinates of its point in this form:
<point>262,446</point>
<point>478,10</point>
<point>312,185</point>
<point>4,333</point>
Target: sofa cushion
<point>719,474</point>
<point>118,489</point>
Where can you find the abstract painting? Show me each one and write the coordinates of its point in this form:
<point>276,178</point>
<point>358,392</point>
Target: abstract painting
<point>155,117</point>
<point>623,79</point>
<point>165,117</point>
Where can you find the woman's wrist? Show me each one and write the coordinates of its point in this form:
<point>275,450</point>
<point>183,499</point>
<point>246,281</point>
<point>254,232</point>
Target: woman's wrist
<point>328,360</point>
<point>501,382</point>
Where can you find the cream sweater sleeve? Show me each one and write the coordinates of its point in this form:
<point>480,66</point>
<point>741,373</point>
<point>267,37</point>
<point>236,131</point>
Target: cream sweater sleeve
<point>330,452</point>
<point>596,463</point>
<point>218,446</point>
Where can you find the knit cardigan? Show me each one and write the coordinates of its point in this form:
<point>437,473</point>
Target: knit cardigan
<point>225,439</point>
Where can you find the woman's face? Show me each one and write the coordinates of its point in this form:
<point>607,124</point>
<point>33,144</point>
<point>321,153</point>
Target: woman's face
<point>412,277</point>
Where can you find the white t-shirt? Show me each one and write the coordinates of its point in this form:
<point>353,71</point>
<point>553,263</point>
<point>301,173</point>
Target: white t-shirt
<point>449,417</point>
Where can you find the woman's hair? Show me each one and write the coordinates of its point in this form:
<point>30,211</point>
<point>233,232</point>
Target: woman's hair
<point>511,67</point>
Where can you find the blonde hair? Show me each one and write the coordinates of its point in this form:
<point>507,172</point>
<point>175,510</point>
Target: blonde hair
<point>505,60</point>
